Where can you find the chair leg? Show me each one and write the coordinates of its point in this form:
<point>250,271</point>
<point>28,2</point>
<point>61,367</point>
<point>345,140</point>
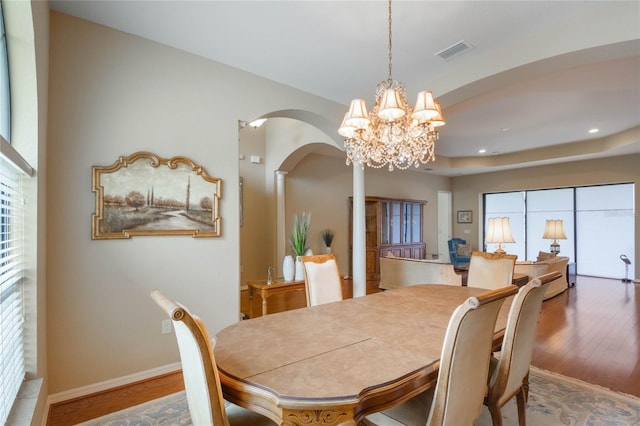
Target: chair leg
<point>525,387</point>
<point>520,400</point>
<point>496,414</point>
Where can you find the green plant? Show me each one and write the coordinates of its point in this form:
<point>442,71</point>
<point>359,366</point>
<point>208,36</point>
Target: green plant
<point>300,233</point>
<point>327,237</point>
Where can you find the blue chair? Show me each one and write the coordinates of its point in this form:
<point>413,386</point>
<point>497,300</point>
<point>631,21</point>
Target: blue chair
<point>457,260</point>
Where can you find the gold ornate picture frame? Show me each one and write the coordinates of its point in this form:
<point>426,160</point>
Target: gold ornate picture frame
<point>144,194</point>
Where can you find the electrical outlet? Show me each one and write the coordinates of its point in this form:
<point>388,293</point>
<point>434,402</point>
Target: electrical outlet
<point>166,326</point>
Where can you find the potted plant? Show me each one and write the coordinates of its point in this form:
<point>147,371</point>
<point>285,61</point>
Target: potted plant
<point>299,238</point>
<point>327,237</point>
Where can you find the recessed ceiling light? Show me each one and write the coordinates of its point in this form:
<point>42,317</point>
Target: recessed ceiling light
<point>594,130</point>
<point>504,129</point>
<point>482,151</point>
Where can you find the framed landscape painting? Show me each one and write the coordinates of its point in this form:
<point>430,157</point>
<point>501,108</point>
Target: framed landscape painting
<point>144,194</point>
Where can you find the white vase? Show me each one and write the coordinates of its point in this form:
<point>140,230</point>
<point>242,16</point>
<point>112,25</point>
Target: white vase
<point>299,270</point>
<point>327,250</point>
<point>308,252</point>
<point>288,268</point>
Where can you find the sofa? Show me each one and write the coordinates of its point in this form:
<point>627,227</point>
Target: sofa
<point>544,266</point>
<point>396,272</point>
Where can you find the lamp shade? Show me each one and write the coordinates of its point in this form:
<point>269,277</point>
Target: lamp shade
<point>554,230</point>
<point>391,106</point>
<point>357,115</point>
<point>425,108</point>
<point>346,131</point>
<point>499,231</point>
<point>438,120</point>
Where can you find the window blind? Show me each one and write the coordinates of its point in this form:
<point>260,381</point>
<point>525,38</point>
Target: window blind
<point>12,368</point>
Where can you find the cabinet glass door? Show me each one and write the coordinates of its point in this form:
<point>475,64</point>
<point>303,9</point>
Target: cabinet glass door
<point>411,223</point>
<point>371,223</point>
<point>391,222</point>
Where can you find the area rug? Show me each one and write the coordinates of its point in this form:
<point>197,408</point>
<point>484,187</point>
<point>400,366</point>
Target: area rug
<point>553,400</point>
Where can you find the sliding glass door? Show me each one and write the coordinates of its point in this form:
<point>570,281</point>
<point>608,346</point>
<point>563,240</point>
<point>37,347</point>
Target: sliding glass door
<point>544,205</point>
<point>604,223</point>
<point>598,222</point>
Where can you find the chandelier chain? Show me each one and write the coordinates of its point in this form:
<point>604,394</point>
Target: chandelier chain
<point>390,45</point>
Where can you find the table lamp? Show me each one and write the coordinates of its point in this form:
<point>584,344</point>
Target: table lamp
<point>554,231</point>
<point>499,232</point>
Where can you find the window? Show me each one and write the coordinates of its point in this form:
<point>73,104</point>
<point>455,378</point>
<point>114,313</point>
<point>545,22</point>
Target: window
<point>588,222</point>
<point>12,367</point>
<point>13,169</point>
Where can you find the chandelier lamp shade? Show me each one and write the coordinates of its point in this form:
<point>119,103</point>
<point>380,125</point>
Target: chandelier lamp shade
<point>554,230</point>
<point>499,232</point>
<point>392,134</point>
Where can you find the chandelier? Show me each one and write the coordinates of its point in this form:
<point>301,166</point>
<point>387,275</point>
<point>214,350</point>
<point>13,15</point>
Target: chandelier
<point>392,133</point>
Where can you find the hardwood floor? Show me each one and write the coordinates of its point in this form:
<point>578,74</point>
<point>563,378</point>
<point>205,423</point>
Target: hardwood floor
<point>590,332</point>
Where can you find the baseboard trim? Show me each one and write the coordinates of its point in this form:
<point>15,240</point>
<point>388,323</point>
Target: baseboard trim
<point>94,395</point>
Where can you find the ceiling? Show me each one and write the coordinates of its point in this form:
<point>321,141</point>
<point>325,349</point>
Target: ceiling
<point>539,74</point>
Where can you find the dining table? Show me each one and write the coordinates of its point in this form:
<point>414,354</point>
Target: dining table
<point>333,364</point>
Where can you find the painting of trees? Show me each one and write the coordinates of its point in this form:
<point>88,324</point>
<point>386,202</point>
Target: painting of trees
<point>144,194</point>
<point>134,199</point>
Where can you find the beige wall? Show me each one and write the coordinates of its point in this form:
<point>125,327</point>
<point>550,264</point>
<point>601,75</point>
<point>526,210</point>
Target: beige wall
<point>323,184</point>
<point>112,94</point>
<point>468,190</point>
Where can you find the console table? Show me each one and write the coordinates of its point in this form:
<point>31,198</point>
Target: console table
<point>265,290</point>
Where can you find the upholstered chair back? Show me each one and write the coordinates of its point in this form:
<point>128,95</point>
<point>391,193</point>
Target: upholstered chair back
<point>322,279</point>
<point>464,362</point>
<point>200,372</point>
<point>201,380</point>
<point>509,373</point>
<point>490,270</point>
<point>458,259</point>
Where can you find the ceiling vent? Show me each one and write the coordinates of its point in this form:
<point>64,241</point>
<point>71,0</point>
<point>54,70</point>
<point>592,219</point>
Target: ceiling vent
<point>455,50</point>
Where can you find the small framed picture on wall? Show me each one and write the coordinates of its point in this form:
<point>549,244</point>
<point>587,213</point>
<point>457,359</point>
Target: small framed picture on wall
<point>464,216</point>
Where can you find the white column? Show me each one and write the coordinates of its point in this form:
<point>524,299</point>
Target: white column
<point>280,220</point>
<point>359,252</point>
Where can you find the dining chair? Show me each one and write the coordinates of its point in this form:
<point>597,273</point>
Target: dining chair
<point>322,279</point>
<point>509,374</point>
<point>461,386</point>
<point>201,379</point>
<point>490,270</point>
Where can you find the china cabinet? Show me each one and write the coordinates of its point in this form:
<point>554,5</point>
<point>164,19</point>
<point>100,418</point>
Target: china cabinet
<point>391,226</point>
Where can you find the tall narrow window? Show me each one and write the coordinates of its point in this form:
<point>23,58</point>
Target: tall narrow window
<point>12,367</point>
<point>12,170</point>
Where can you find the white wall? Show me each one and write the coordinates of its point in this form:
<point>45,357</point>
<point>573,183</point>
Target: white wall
<point>112,94</point>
